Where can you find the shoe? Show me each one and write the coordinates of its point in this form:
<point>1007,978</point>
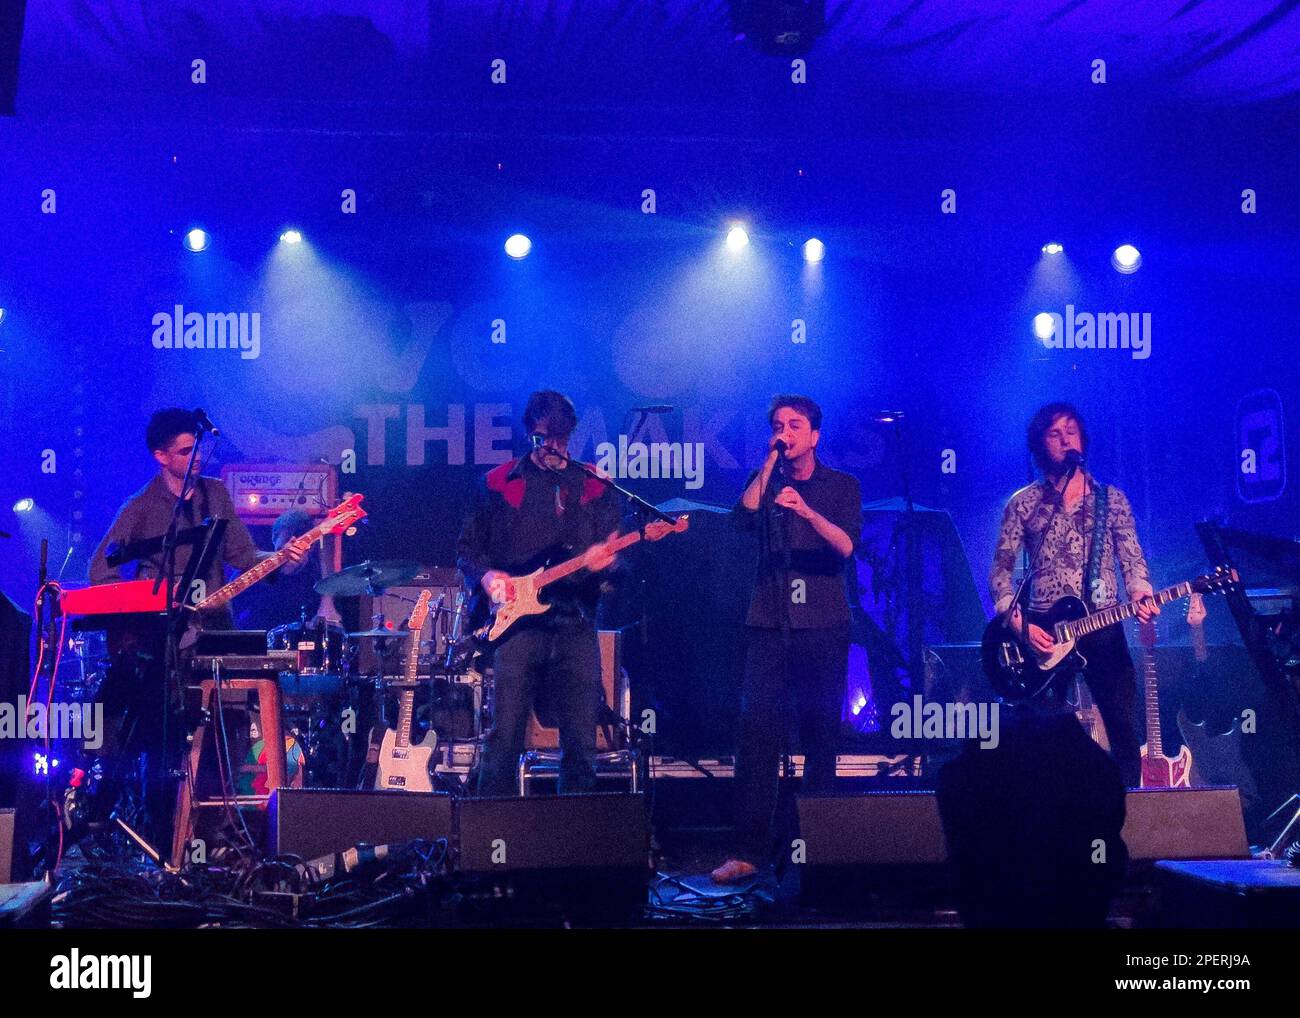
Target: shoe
<point>733,871</point>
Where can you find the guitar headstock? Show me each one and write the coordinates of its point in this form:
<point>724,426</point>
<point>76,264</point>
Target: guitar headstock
<point>420,612</point>
<point>344,516</point>
<point>654,531</point>
<point>1195,610</point>
<point>1216,582</point>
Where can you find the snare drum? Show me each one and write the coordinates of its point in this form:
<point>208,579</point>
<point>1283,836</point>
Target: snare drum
<point>319,644</point>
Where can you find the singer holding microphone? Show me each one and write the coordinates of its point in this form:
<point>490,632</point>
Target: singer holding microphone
<point>808,519</point>
<point>1078,529</point>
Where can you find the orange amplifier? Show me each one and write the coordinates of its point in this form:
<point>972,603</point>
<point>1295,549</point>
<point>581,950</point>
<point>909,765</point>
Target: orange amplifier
<point>262,491</point>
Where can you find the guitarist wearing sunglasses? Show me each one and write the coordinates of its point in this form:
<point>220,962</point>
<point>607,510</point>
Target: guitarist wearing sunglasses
<point>1076,530</point>
<point>537,510</point>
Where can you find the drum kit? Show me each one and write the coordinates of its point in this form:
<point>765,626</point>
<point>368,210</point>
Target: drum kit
<point>328,678</point>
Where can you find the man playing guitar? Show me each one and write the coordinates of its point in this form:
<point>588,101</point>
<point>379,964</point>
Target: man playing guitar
<point>1067,500</point>
<point>533,510</point>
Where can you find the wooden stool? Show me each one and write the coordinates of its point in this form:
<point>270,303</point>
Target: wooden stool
<point>269,709</point>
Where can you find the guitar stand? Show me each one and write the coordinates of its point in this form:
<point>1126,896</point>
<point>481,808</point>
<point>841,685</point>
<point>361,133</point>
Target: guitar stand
<point>1280,842</point>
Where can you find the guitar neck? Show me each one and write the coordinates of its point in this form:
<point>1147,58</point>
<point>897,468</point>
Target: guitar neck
<point>260,571</point>
<point>572,565</point>
<point>1152,701</point>
<point>1122,612</point>
<point>406,702</point>
<point>1199,650</point>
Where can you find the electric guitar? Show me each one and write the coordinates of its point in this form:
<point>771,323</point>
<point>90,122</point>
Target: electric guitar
<point>1019,672</point>
<point>402,765</point>
<point>1088,714</point>
<point>342,517</point>
<point>507,611</point>
<point>1158,770</point>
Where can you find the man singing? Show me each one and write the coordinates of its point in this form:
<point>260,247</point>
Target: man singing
<point>808,518</point>
<point>542,508</point>
<point>1076,557</point>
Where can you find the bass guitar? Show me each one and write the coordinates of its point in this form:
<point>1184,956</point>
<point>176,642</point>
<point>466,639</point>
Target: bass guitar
<point>1019,672</point>
<point>343,517</point>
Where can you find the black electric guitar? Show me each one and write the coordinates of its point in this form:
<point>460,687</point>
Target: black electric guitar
<point>1018,672</point>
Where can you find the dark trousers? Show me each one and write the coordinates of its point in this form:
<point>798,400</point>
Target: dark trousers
<point>567,659</point>
<point>801,682</point>
<point>1113,684</point>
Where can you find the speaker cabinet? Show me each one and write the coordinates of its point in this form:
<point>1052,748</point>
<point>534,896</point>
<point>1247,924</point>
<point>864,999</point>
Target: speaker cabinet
<point>311,822</point>
<point>1185,823</point>
<point>606,831</point>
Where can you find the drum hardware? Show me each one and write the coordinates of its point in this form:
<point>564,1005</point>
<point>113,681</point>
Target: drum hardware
<point>368,578</point>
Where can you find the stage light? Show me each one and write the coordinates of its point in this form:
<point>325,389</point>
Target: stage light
<point>737,239</point>
<point>813,250</point>
<point>291,237</point>
<point>1044,326</point>
<point>196,240</point>
<point>2,315</point>
<point>518,246</point>
<point>1053,248</point>
<point>1126,259</point>
<point>24,505</point>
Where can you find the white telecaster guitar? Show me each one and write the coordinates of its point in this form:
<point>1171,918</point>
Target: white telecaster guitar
<point>402,765</point>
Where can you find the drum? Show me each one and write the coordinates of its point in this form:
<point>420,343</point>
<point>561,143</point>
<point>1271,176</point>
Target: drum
<point>319,644</point>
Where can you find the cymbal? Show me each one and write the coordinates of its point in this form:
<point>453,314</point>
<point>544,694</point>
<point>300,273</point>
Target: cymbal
<point>394,634</point>
<point>368,576</point>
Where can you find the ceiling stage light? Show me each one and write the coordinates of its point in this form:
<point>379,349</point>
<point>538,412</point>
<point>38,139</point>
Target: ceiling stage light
<point>813,250</point>
<point>1126,259</point>
<point>737,239</point>
<point>196,240</point>
<point>518,246</point>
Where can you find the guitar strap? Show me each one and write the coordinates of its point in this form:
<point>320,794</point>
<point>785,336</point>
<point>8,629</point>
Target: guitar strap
<point>1092,586</point>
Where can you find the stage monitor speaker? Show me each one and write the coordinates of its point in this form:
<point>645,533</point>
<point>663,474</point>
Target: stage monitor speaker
<point>875,829</point>
<point>311,822</point>
<point>6,845</point>
<point>1185,823</point>
<point>599,831</point>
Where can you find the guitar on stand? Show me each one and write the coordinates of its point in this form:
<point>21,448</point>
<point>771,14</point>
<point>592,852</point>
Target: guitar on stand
<point>1158,770</point>
<point>404,766</point>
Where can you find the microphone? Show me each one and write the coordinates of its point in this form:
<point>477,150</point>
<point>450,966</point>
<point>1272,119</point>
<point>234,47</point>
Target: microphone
<point>1073,459</point>
<point>203,421</point>
<point>657,408</point>
<point>780,446</point>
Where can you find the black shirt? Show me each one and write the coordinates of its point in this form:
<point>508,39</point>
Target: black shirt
<point>526,516</point>
<point>820,601</point>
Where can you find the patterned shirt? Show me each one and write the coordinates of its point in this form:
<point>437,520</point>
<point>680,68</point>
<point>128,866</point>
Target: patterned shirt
<point>1064,556</point>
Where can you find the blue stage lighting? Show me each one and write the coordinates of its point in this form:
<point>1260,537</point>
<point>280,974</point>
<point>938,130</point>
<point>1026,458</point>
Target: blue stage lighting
<point>196,240</point>
<point>291,237</point>
<point>1044,326</point>
<point>24,505</point>
<point>1126,259</point>
<point>737,239</point>
<point>518,246</point>
<point>1053,248</point>
<point>813,250</point>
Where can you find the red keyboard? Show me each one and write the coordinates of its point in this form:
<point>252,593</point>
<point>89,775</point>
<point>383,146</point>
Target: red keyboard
<point>127,597</point>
